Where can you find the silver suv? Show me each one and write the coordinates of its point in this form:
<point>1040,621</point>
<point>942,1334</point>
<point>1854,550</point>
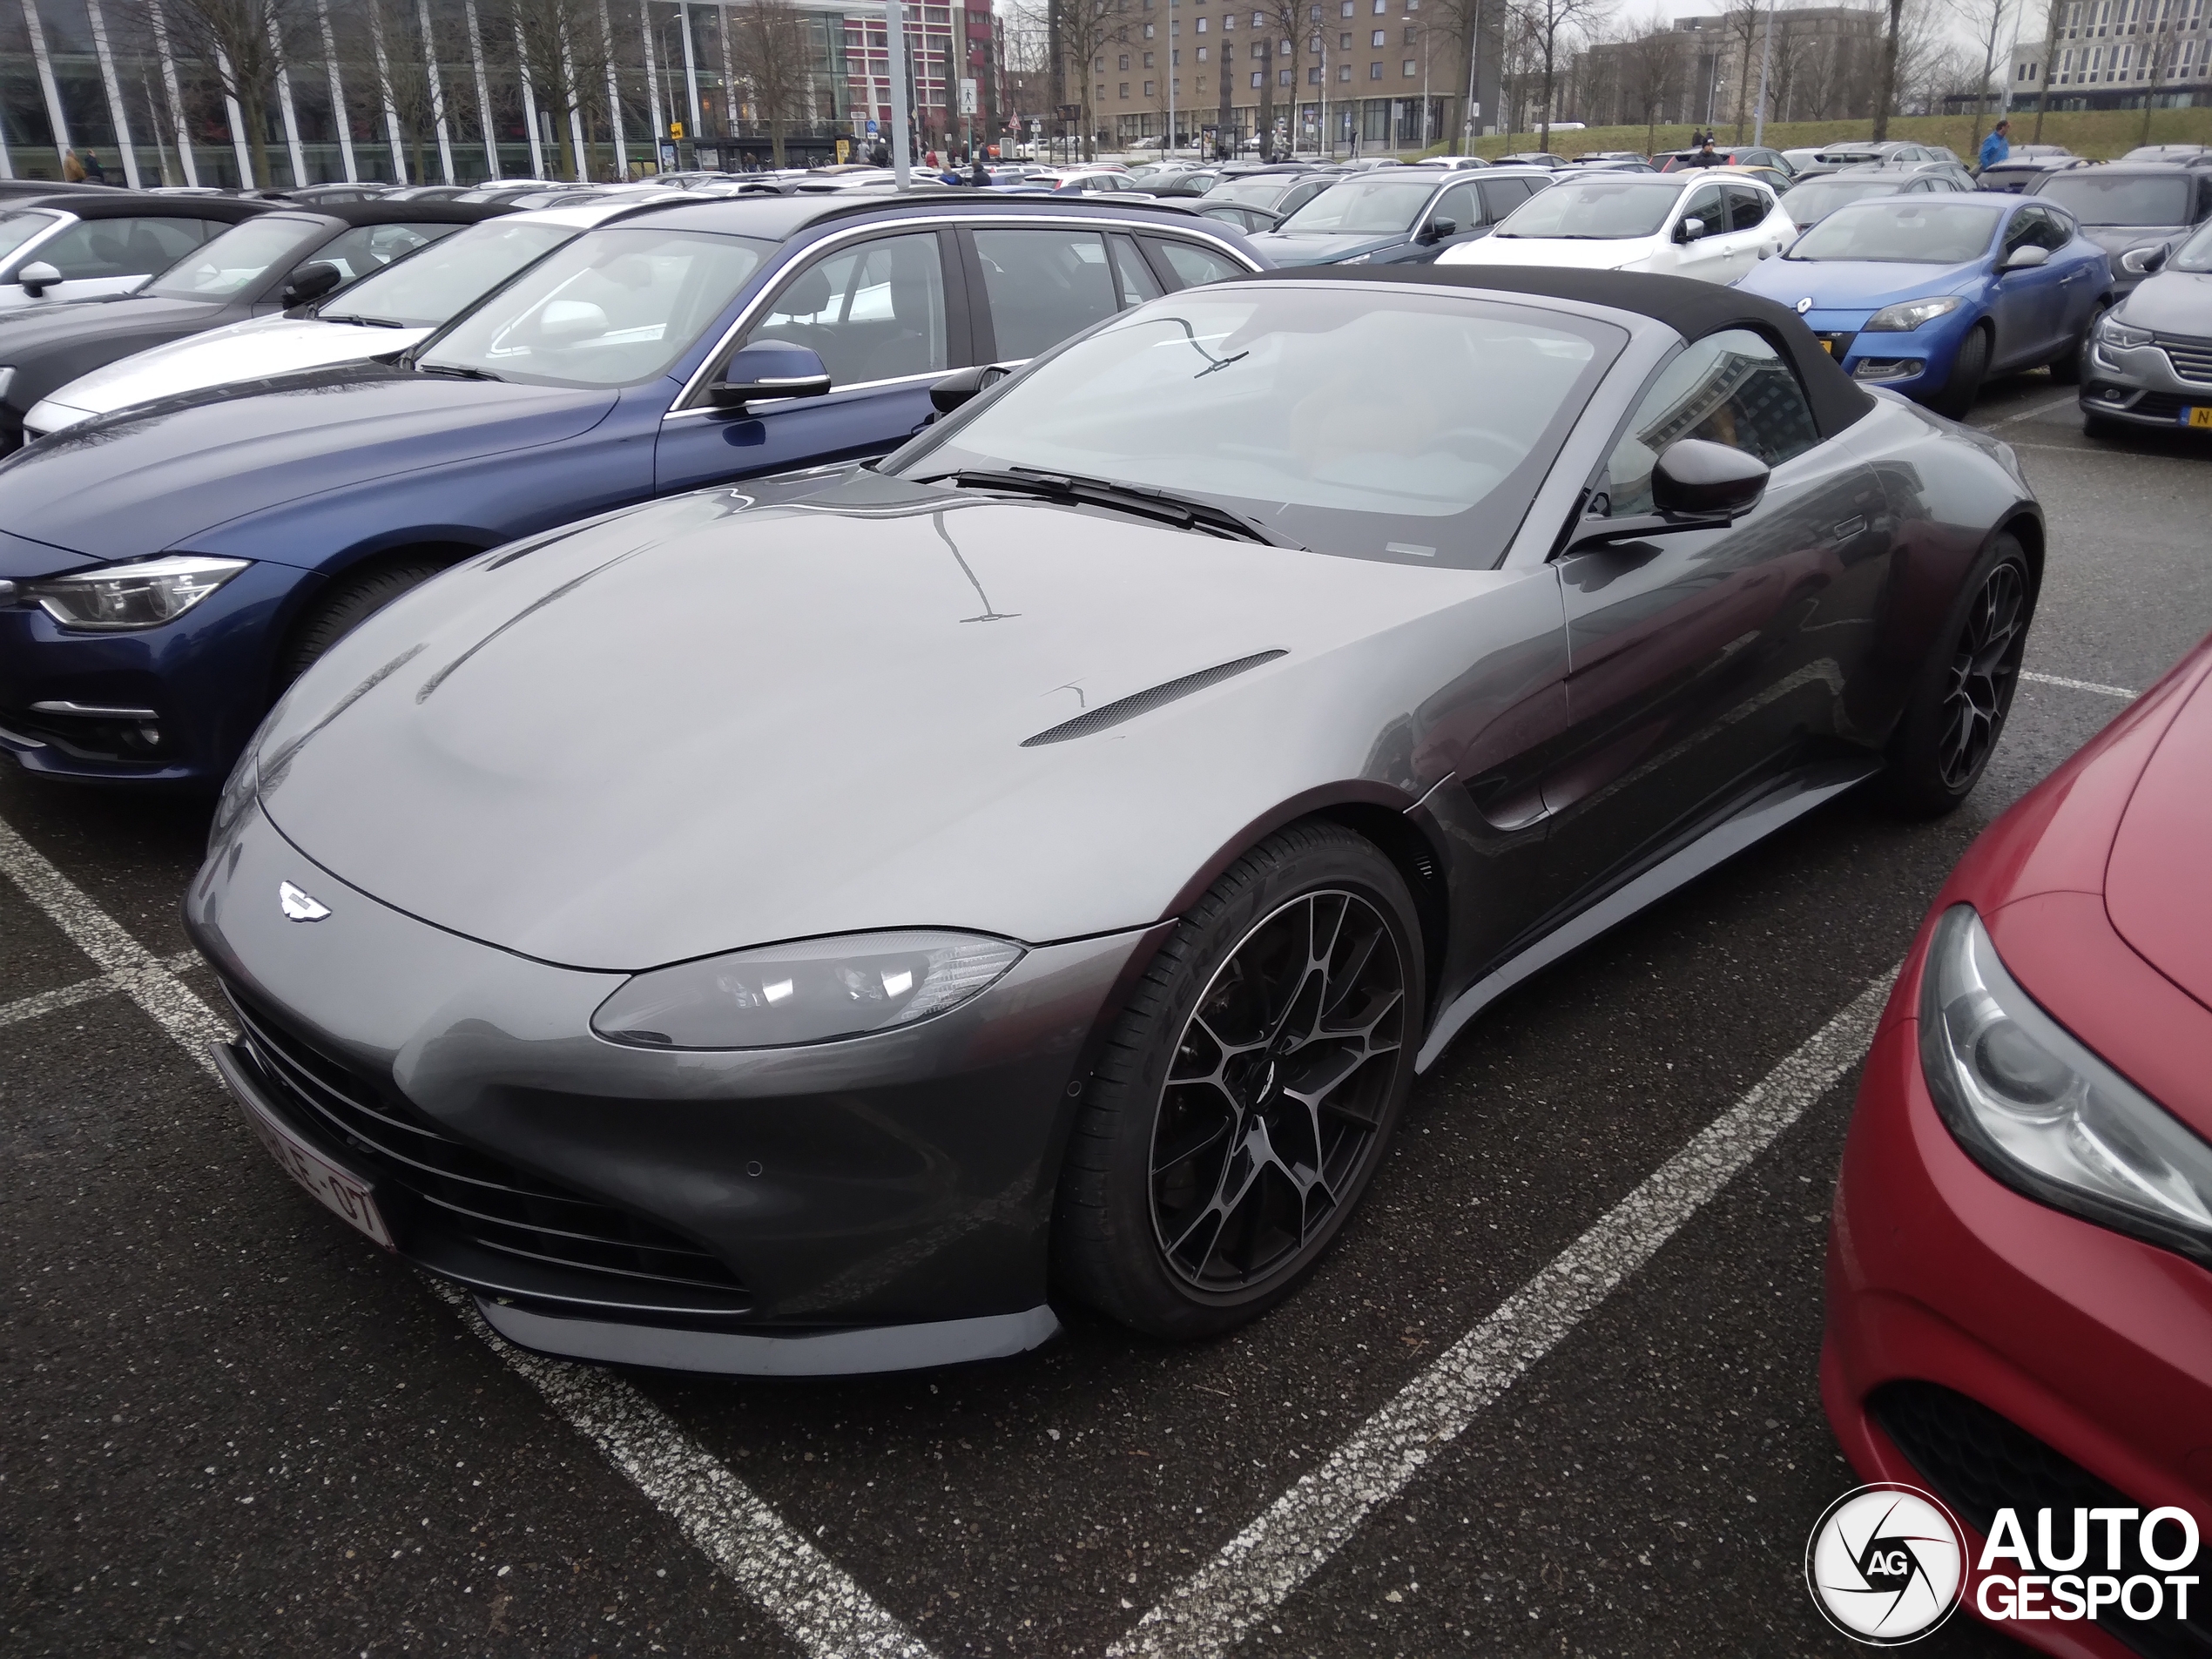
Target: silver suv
<point>2148,359</point>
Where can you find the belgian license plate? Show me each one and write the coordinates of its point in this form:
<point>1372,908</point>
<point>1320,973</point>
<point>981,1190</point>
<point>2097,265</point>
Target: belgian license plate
<point>337,1189</point>
<point>1828,345</point>
<point>2197,415</point>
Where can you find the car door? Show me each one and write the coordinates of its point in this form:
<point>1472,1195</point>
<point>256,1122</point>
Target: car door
<point>1458,206</point>
<point>103,256</point>
<point>1039,283</point>
<point>2087,274</point>
<point>1708,257</point>
<point>1749,240</point>
<point>2030,302</point>
<point>886,315</point>
<point>1702,661</point>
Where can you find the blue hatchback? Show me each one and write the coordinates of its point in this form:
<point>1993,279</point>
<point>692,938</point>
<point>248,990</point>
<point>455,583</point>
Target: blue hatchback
<point>166,571</point>
<point>1929,295</point>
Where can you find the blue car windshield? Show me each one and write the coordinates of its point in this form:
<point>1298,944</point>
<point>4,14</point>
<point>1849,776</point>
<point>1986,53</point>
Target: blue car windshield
<point>614,307</point>
<point>1380,207</point>
<point>1385,424</point>
<point>1900,230</point>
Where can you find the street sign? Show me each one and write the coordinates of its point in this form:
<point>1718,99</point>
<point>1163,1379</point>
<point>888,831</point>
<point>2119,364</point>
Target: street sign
<point>872,132</point>
<point>967,96</point>
<point>667,158</point>
<point>844,151</point>
<point>676,129</point>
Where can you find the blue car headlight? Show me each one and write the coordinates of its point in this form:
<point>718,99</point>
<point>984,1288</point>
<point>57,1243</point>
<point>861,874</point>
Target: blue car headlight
<point>2033,1106</point>
<point>143,593</point>
<point>1908,315</point>
<point>810,990</point>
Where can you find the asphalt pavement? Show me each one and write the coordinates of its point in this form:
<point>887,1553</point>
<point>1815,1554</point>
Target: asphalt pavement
<point>228,1425</point>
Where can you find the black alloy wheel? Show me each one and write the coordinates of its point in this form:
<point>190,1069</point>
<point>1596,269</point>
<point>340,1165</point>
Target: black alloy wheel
<point>1247,1091</point>
<point>1957,710</point>
<point>1275,1098</point>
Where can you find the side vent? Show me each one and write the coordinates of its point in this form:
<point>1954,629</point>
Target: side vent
<point>1128,708</point>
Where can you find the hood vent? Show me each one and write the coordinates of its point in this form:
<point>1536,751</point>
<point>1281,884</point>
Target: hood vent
<point>1128,708</point>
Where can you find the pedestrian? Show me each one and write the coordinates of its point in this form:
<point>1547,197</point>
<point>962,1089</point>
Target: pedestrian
<point>1705,156</point>
<point>94,174</point>
<point>72,169</point>
<point>1995,147</point>
<point>981,176</point>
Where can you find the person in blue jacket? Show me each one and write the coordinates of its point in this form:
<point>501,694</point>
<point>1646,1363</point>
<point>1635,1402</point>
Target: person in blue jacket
<point>1995,147</point>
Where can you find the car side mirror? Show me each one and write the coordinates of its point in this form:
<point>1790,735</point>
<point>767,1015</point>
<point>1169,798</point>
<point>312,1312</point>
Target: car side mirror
<point>1437,229</point>
<point>770,369</point>
<point>309,283</point>
<point>1696,485</point>
<point>1689,230</point>
<point>38,277</point>
<point>2026,258</point>
<point>962,384</point>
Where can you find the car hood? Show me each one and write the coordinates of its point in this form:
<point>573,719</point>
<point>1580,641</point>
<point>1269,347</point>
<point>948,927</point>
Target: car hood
<point>2116,239</point>
<point>2173,302</point>
<point>253,350</point>
<point>34,329</point>
<point>1574,254</point>
<point>1853,285</point>
<point>701,724</point>
<point>1317,247</point>
<point>153,478</point>
<point>2155,891</point>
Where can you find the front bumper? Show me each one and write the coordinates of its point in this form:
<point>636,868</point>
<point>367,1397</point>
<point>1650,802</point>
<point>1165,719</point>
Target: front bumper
<point>1917,364</point>
<point>2141,385</point>
<point>868,1204</point>
<point>197,686</point>
<point>2004,1354</point>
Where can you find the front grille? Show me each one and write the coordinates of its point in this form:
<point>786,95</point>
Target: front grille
<point>1979,1462</point>
<point>2164,405</point>
<point>2192,359</point>
<point>592,1250</point>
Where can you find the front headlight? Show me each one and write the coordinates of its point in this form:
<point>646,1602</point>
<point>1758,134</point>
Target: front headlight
<point>2112,332</point>
<point>2042,1114</point>
<point>144,594</point>
<point>811,990</point>
<point>1908,315</point>
<point>1357,259</point>
<point>7,380</point>
<point>2137,260</point>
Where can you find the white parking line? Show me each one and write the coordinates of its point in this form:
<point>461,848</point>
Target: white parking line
<point>2029,414</point>
<point>1255,1572</point>
<point>2120,692</point>
<point>85,990</point>
<point>817,1604</point>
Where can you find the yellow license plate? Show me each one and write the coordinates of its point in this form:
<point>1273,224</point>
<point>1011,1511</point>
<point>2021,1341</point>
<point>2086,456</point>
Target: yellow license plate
<point>2198,415</point>
<point>1828,345</point>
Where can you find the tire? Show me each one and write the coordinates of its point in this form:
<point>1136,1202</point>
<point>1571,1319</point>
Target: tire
<point>1967,370</point>
<point>1201,1065</point>
<point>352,601</point>
<point>2066,370</point>
<point>1959,708</point>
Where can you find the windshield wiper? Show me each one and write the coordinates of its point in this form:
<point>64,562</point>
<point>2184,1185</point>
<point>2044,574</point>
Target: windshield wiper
<point>457,371</point>
<point>1181,511</point>
<point>365,323</point>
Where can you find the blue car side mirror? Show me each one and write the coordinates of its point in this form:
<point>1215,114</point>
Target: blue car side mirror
<point>2025,258</point>
<point>770,369</point>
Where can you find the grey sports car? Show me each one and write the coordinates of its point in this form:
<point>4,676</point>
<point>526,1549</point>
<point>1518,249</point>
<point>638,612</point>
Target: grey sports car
<point>809,927</point>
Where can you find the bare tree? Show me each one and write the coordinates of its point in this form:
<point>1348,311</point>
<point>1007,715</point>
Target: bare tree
<point>1991,19</point>
<point>1886,89</point>
<point>2051,13</point>
<point>1551,28</point>
<point>564,50</point>
<point>773,59</point>
<point>1651,73</point>
<point>242,43</point>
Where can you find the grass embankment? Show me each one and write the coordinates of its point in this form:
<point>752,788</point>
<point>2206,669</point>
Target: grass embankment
<point>2103,133</point>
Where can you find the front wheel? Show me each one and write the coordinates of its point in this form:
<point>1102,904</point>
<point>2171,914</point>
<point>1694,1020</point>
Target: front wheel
<point>2067,370</point>
<point>1964,692</point>
<point>1968,368</point>
<point>1248,1089</point>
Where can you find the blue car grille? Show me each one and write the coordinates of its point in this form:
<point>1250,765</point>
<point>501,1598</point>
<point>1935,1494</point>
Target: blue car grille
<point>2192,359</point>
<point>459,1191</point>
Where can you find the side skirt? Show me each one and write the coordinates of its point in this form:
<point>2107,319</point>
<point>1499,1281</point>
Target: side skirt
<point>1791,799</point>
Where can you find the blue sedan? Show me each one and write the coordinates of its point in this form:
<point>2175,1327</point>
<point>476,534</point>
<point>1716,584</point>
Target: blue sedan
<point>166,571</point>
<point>1930,295</point>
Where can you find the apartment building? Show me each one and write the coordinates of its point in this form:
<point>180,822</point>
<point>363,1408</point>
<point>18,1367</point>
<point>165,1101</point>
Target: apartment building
<point>2115,54</point>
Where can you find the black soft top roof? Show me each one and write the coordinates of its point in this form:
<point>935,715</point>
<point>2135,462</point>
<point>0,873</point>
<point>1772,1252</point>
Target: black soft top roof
<point>98,203</point>
<point>1692,309</point>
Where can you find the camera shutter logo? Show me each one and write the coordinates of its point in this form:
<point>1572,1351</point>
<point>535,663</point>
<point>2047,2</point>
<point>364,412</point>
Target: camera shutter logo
<point>1887,1564</point>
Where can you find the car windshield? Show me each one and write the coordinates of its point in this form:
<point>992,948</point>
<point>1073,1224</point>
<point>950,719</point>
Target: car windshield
<point>424,289</point>
<point>1598,209</point>
<point>615,307</point>
<point>16,229</point>
<point>2103,199</point>
<point>236,260</point>
<point>1365,207</point>
<point>1817,198</point>
<point>2193,255</point>
<point>1261,192</point>
<point>1380,423</point>
<point>1899,230</point>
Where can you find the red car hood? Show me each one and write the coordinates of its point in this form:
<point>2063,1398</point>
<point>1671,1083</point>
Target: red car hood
<point>2157,889</point>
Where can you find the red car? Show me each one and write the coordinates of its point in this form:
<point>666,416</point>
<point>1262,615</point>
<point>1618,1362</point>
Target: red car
<point>2019,1261</point>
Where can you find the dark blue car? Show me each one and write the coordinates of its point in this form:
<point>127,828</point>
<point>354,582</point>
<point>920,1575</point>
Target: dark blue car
<point>1929,295</point>
<point>166,572</point>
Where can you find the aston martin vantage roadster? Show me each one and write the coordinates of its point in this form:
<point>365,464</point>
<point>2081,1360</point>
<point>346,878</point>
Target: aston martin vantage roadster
<point>814,925</point>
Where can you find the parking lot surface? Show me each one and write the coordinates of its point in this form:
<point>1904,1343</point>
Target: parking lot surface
<point>1566,1371</point>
